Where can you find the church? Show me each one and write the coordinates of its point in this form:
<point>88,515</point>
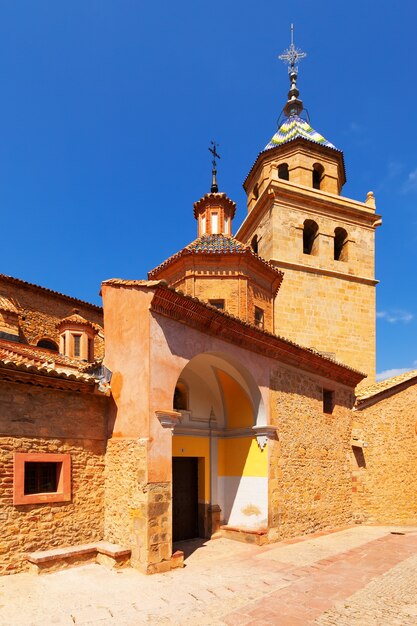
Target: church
<point>230,393</point>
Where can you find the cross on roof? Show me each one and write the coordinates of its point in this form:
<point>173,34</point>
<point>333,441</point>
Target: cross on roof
<point>292,55</point>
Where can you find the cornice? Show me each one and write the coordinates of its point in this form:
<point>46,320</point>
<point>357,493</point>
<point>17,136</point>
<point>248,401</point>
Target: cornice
<point>222,325</point>
<point>327,272</point>
<point>317,202</point>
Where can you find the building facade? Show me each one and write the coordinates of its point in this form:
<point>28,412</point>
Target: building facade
<point>231,392</point>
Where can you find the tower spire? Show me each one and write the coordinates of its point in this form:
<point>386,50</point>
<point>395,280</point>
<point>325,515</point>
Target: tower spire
<point>213,150</point>
<point>291,56</point>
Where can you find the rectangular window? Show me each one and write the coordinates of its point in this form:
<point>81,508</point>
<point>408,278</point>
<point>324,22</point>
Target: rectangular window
<point>259,317</point>
<point>226,226</point>
<point>41,477</point>
<point>203,224</point>
<point>77,345</point>
<point>328,401</point>
<point>219,304</point>
<point>214,223</point>
<point>91,350</point>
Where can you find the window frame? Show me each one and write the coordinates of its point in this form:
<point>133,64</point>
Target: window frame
<point>63,491</point>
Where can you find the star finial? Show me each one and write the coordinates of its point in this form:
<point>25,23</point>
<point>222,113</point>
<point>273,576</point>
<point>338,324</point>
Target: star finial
<point>213,150</point>
<point>292,55</point>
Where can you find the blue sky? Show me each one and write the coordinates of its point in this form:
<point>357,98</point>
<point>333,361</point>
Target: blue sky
<point>107,110</point>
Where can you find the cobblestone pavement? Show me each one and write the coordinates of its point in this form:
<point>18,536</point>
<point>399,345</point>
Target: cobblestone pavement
<point>361,576</point>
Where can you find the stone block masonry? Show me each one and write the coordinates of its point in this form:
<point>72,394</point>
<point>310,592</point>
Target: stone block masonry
<point>26,528</point>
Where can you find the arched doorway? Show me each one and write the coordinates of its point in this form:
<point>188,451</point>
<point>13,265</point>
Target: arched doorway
<point>220,473</point>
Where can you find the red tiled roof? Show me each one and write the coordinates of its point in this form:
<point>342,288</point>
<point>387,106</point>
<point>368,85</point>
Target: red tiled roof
<point>37,360</point>
<point>214,244</point>
<point>384,385</point>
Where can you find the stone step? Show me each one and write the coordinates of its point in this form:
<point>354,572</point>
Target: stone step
<point>108,554</point>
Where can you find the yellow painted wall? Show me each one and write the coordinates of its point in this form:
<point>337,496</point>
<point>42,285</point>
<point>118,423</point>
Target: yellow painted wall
<point>239,409</point>
<point>241,456</point>
<point>200,447</point>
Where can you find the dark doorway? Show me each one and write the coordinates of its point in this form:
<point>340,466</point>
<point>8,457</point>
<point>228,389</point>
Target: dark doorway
<point>184,498</point>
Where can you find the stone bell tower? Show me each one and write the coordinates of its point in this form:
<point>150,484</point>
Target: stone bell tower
<point>323,242</point>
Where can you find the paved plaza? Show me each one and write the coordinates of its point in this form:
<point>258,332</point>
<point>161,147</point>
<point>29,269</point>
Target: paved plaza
<point>360,576</point>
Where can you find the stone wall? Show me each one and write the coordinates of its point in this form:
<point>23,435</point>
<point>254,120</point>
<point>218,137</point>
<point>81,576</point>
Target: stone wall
<point>384,472</point>
<point>32,527</point>
<point>310,479</point>
<point>137,513</point>
<point>42,309</point>
<point>35,419</point>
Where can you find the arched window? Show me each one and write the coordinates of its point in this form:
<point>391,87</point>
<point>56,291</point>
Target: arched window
<point>48,344</point>
<point>318,171</point>
<point>180,397</point>
<point>256,191</point>
<point>340,244</point>
<point>283,172</point>
<point>310,237</point>
<point>254,244</point>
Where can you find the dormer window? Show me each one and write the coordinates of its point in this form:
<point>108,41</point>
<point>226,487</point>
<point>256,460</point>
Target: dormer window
<point>318,171</point>
<point>283,172</point>
<point>77,337</point>
<point>48,344</point>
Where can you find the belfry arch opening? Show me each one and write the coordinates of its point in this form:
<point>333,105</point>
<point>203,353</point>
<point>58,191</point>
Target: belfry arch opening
<point>317,175</point>
<point>340,244</point>
<point>283,171</point>
<point>216,442</point>
<point>310,237</point>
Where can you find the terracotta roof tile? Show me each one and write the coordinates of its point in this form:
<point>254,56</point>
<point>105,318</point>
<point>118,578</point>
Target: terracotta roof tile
<point>35,359</point>
<point>384,385</point>
<point>213,244</point>
<point>8,304</point>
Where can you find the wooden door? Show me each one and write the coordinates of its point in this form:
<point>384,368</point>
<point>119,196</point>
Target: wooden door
<point>184,498</point>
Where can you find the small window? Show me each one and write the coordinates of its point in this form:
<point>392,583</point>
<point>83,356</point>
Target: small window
<point>214,223</point>
<point>340,245</point>
<point>256,191</point>
<point>48,344</point>
<point>41,477</point>
<point>219,304</point>
<point>259,317</point>
<point>254,244</point>
<point>227,225</point>
<point>90,349</point>
<point>310,237</point>
<point>283,172</point>
<point>180,397</point>
<point>328,401</point>
<point>77,345</point>
<point>318,171</point>
<point>203,224</point>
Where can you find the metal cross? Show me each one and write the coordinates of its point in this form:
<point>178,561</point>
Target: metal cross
<point>292,55</point>
<point>213,151</point>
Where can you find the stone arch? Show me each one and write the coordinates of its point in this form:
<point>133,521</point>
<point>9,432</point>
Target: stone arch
<point>317,175</point>
<point>219,432</point>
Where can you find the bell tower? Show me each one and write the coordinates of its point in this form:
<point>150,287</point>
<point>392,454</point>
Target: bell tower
<point>322,241</point>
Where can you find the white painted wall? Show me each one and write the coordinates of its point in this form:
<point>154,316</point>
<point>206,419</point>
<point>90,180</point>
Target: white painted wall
<point>243,501</point>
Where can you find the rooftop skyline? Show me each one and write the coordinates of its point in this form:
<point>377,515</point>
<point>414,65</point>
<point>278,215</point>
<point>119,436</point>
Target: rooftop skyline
<point>108,109</point>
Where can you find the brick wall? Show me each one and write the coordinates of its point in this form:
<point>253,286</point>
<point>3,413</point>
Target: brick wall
<point>42,310</point>
<point>310,480</point>
<point>384,472</point>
